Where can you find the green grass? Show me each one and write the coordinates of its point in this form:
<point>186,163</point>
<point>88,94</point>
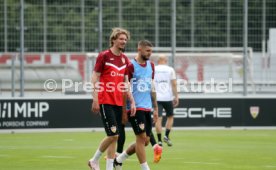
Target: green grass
<point>192,150</point>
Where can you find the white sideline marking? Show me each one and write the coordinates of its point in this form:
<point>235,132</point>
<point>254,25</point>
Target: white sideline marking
<point>59,157</point>
<point>206,163</point>
<point>46,130</point>
<point>270,166</point>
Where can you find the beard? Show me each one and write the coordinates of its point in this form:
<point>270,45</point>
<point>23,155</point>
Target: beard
<point>122,49</point>
<point>145,58</point>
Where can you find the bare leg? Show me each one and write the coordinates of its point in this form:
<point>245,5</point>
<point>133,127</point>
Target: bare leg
<point>140,147</point>
<point>131,149</point>
<point>158,125</point>
<point>169,122</point>
<point>111,148</point>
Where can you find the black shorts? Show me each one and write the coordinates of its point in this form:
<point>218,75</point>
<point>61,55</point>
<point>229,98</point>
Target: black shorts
<point>167,105</point>
<point>111,116</point>
<point>141,122</point>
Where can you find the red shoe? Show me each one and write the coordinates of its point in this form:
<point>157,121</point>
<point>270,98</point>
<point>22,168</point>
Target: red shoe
<point>157,153</point>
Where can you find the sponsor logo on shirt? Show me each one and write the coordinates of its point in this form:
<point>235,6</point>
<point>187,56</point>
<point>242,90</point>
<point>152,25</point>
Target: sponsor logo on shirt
<point>113,74</point>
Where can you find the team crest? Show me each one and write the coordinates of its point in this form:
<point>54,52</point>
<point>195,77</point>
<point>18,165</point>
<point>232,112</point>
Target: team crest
<point>142,126</point>
<point>123,60</point>
<point>113,129</point>
<point>254,111</point>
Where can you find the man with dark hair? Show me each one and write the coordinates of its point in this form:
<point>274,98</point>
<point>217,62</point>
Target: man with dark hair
<point>141,76</point>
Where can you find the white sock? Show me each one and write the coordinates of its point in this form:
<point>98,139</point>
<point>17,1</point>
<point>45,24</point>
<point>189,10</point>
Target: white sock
<point>109,164</point>
<point>117,154</point>
<point>122,157</point>
<point>145,166</point>
<point>97,155</point>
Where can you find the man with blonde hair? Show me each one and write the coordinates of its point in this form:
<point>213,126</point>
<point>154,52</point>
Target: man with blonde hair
<point>108,76</point>
<point>167,97</point>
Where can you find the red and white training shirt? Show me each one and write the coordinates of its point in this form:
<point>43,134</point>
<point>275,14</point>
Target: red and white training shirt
<point>113,69</point>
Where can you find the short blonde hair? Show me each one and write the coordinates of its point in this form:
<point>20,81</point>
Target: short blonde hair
<point>162,58</point>
<point>115,34</point>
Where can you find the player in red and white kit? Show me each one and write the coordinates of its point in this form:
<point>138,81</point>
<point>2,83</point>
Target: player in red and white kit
<point>109,80</point>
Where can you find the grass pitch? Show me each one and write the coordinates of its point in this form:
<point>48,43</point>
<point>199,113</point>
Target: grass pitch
<point>191,150</point>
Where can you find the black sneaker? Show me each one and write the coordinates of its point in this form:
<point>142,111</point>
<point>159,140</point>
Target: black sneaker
<point>160,143</point>
<point>167,140</point>
<point>117,165</point>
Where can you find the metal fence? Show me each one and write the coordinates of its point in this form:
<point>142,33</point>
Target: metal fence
<point>84,25</point>
<point>59,27</point>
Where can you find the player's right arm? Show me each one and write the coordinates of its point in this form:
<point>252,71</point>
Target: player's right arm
<point>98,68</point>
<point>94,81</point>
<point>130,97</point>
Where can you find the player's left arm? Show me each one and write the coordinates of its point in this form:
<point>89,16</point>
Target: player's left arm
<point>174,89</point>
<point>154,102</point>
<point>124,109</point>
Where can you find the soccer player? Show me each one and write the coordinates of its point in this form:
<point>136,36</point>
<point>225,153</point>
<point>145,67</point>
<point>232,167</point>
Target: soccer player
<point>108,76</point>
<point>141,75</point>
<point>167,97</point>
